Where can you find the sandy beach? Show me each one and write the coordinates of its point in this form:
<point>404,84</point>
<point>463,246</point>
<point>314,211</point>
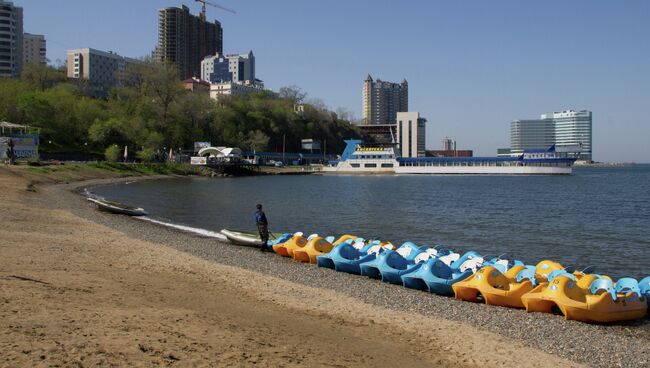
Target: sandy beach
<point>84,288</point>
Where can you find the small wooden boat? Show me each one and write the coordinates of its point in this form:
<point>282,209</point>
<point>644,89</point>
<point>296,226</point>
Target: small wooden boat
<point>247,238</point>
<point>118,208</point>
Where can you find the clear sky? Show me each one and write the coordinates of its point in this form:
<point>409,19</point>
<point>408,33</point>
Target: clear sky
<point>472,66</point>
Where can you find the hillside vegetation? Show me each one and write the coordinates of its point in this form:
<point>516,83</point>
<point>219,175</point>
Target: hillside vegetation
<point>151,112</point>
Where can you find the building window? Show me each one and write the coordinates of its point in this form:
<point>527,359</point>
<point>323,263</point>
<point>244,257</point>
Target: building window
<point>410,143</point>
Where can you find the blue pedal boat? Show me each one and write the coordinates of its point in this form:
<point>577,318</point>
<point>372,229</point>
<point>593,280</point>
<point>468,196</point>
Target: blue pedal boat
<point>391,264</point>
<point>435,276</point>
<point>347,256</point>
<point>644,286</point>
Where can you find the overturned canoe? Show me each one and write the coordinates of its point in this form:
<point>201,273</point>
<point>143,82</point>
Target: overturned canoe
<point>248,238</point>
<point>118,208</point>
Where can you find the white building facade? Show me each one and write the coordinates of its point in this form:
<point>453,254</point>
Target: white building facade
<point>219,90</point>
<point>99,68</point>
<point>11,39</point>
<point>411,134</point>
<point>573,131</point>
<point>237,68</point>
<point>569,130</point>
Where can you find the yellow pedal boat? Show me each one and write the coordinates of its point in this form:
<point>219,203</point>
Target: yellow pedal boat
<point>589,298</point>
<point>286,249</point>
<point>344,238</point>
<point>491,286</point>
<point>315,247</point>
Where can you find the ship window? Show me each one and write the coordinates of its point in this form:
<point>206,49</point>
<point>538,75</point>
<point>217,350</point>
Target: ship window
<point>370,165</point>
<point>386,165</point>
<point>355,165</point>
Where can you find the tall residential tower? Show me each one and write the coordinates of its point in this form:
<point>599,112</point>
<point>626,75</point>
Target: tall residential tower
<point>11,39</point>
<point>34,49</point>
<point>383,100</point>
<point>185,39</point>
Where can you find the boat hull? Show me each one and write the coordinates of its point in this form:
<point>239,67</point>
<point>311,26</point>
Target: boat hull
<point>245,238</point>
<point>117,208</point>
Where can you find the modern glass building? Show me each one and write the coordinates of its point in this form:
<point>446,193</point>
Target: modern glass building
<point>531,134</point>
<point>569,130</point>
<point>237,68</point>
<point>11,39</point>
<point>573,131</point>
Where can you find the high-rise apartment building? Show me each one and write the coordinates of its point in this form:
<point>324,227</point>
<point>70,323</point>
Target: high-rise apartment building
<point>185,39</point>
<point>11,39</point>
<point>99,68</point>
<point>411,134</point>
<point>569,130</point>
<point>237,68</point>
<point>34,49</point>
<point>383,100</point>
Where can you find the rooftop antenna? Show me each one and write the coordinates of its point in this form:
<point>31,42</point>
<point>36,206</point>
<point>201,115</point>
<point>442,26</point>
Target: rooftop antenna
<point>205,2</point>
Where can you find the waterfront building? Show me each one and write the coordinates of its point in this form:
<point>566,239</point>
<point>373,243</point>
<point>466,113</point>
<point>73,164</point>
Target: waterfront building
<point>569,130</point>
<point>411,134</point>
<point>11,39</point>
<point>383,100</point>
<point>230,88</point>
<point>229,68</point>
<point>573,132</point>
<point>99,68</point>
<point>34,49</point>
<point>185,39</point>
<point>531,134</point>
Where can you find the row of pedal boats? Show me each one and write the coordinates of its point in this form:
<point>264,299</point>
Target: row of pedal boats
<point>547,287</point>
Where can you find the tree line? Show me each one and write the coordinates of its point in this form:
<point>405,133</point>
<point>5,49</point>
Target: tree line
<point>151,111</point>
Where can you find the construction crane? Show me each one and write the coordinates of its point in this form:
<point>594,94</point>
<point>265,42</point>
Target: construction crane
<point>205,2</point>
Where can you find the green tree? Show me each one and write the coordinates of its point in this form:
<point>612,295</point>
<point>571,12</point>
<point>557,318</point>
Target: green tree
<point>42,76</point>
<point>114,153</point>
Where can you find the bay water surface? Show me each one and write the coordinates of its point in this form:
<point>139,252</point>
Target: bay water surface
<point>596,217</point>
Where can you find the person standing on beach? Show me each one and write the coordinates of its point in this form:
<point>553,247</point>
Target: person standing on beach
<point>11,152</point>
<point>262,227</point>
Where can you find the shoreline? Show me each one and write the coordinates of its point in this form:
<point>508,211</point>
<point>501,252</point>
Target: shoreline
<point>285,284</point>
<point>460,311</point>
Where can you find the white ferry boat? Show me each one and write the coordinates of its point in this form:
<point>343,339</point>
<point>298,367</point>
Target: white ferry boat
<point>357,158</point>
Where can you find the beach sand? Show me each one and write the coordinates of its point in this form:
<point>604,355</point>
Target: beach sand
<point>77,293</point>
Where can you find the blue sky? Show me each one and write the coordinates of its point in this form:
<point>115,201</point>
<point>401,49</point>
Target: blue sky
<point>472,66</point>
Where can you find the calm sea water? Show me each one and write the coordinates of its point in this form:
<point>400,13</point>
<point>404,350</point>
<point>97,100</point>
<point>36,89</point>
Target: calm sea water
<point>597,216</point>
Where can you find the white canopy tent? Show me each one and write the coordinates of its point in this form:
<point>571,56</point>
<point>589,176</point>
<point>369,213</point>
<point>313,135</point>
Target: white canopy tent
<point>223,153</point>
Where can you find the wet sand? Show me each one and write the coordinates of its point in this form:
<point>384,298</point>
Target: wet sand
<point>77,293</point>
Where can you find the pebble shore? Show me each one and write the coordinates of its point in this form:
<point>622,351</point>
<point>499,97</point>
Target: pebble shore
<point>619,345</point>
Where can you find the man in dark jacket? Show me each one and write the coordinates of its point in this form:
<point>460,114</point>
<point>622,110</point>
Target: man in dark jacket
<point>262,227</point>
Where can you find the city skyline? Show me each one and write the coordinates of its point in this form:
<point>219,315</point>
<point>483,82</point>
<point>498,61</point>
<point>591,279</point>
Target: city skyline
<point>472,67</point>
